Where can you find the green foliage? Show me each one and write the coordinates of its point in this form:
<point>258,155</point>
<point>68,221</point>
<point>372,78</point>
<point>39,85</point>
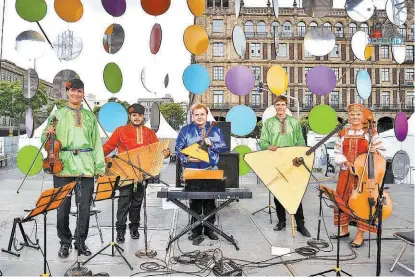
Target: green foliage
<point>174,114</point>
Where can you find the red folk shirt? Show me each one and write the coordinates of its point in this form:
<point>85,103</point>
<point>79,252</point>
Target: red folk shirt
<point>129,137</point>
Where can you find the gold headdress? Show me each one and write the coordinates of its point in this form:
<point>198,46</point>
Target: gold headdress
<point>355,108</point>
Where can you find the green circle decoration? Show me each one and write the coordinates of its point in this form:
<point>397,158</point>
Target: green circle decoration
<point>113,77</point>
<point>322,119</point>
<point>243,166</point>
<point>31,10</point>
<point>25,158</point>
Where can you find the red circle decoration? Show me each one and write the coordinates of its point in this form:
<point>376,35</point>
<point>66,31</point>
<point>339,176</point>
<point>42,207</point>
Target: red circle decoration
<point>155,7</point>
<point>155,38</point>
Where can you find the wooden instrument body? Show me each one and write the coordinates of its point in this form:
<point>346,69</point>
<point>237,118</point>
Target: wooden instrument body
<point>369,188</point>
<point>286,182</point>
<point>52,164</point>
<point>189,174</point>
<point>196,150</point>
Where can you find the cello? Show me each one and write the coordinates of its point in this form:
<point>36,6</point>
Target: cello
<point>370,170</point>
<point>53,164</point>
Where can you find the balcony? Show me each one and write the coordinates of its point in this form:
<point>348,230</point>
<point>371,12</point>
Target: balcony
<point>408,83</point>
<point>393,107</point>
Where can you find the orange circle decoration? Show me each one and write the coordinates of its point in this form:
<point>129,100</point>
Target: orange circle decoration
<point>155,7</point>
<point>69,10</point>
<point>196,39</point>
<point>197,7</point>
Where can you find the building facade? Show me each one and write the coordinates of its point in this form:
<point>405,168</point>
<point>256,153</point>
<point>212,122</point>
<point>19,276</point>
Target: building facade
<point>392,84</point>
<point>148,102</point>
<point>10,72</point>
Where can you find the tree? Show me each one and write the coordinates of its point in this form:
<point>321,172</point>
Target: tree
<point>174,114</point>
<point>14,105</point>
<point>60,103</point>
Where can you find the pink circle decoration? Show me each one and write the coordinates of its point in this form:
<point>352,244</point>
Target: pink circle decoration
<point>321,80</point>
<point>155,38</point>
<point>240,80</point>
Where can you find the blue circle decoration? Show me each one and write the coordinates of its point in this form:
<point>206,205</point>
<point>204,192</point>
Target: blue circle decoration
<point>112,115</point>
<point>196,78</point>
<point>243,120</point>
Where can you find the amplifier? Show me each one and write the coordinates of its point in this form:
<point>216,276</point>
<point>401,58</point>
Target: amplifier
<point>204,185</point>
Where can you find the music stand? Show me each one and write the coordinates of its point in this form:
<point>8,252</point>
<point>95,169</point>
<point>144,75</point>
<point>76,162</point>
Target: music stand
<point>342,208</point>
<point>106,187</point>
<point>49,200</point>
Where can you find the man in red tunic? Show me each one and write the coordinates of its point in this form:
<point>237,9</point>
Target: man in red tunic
<point>124,138</point>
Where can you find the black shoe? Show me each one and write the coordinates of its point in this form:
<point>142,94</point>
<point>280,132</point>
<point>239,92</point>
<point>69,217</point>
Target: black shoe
<point>134,234</point>
<point>83,249</point>
<point>303,231</point>
<point>64,250</point>
<point>120,237</point>
<point>211,235</point>
<point>355,245</point>
<point>341,236</point>
<point>194,235</point>
<point>281,225</point>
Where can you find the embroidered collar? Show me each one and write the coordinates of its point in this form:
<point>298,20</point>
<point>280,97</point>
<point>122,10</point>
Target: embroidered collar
<point>73,109</point>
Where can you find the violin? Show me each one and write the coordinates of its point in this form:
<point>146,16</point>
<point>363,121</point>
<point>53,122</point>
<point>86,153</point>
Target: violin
<point>53,164</point>
<point>370,170</point>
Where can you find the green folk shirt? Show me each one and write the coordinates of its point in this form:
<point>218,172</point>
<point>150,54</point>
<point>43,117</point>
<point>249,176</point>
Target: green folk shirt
<point>78,129</point>
<point>281,133</point>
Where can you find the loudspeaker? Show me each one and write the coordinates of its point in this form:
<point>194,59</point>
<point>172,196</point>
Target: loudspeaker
<point>226,130</point>
<point>228,162</point>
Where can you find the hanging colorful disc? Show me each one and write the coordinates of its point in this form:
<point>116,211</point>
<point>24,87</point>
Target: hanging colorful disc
<point>363,84</point>
<point>196,39</point>
<point>155,7</point>
<point>113,77</point>
<point>112,115</point>
<point>318,73</point>
<point>322,119</point>
<point>30,83</point>
<point>277,79</point>
<point>196,78</point>
<point>25,158</point>
<point>401,126</point>
<point>29,123</point>
<point>240,80</point>
<point>70,11</point>
<point>155,38</point>
<point>243,120</point>
<point>115,8</point>
<point>243,166</point>
<point>113,38</point>
<point>197,7</point>
<point>31,10</point>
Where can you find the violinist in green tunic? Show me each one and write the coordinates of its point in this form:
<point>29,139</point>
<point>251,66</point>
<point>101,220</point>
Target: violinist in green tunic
<point>81,153</point>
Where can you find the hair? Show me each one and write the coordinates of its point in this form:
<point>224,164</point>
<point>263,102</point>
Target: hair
<point>199,106</point>
<point>281,98</point>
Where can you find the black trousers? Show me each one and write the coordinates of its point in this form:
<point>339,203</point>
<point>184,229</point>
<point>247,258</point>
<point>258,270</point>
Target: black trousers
<point>202,206</point>
<point>83,194</point>
<point>299,216</point>
<point>129,203</point>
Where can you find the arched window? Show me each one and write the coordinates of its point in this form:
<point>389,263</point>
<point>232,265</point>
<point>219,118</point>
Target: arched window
<point>313,25</point>
<point>301,29</point>
<point>338,32</point>
<point>352,29</point>
<point>327,26</point>
<point>286,32</point>
<point>364,28</point>
<point>261,29</point>
<point>275,26</point>
<point>249,29</point>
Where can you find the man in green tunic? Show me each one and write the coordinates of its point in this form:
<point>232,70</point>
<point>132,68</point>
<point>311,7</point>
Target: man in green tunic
<point>280,131</point>
<point>81,153</point>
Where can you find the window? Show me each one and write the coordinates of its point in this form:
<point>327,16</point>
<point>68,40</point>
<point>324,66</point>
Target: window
<point>9,78</point>
<point>301,29</point>
<point>255,50</point>
<point>402,31</point>
<point>409,53</point>
<point>385,99</point>
<point>409,74</point>
<point>364,28</point>
<point>249,29</point>
<point>256,99</point>
<point>335,52</point>
<point>217,3</point>
<point>385,75</point>
<point>218,73</point>
<point>352,29</point>
<point>218,99</point>
<point>307,54</point>
<point>282,52</point>
<point>4,121</point>
<point>412,32</point>
<point>336,72</point>
<point>327,26</point>
<point>334,99</point>
<point>3,77</point>
<point>261,29</point>
<point>312,25</point>
<point>286,32</point>
<point>384,52</point>
<point>338,30</point>
<point>410,99</point>
<point>218,49</point>
<point>257,72</point>
<point>217,25</point>
<point>306,70</point>
<point>275,26</point>
<point>210,3</point>
<point>308,99</point>
<point>225,3</point>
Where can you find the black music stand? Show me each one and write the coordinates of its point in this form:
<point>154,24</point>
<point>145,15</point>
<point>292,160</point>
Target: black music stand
<point>27,242</point>
<point>342,208</point>
<point>269,207</point>
<point>106,187</point>
<point>49,200</point>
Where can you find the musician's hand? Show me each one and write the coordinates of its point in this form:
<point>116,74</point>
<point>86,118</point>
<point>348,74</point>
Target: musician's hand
<point>273,148</point>
<point>193,160</point>
<point>208,142</point>
<point>372,149</point>
<point>50,130</point>
<point>166,153</point>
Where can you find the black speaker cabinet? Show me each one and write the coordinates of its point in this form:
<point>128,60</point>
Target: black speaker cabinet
<point>226,129</point>
<point>228,162</point>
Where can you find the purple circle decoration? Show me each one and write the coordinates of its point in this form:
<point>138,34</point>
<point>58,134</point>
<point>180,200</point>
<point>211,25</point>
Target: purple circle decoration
<point>401,126</point>
<point>321,80</point>
<point>115,8</point>
<point>240,80</point>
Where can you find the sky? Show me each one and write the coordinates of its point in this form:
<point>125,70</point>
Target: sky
<point>134,56</point>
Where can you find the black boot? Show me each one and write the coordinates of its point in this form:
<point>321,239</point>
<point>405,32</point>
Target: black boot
<point>280,225</point>
<point>211,235</point>
<point>83,249</point>
<point>64,250</point>
<point>134,234</point>
<point>120,237</point>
